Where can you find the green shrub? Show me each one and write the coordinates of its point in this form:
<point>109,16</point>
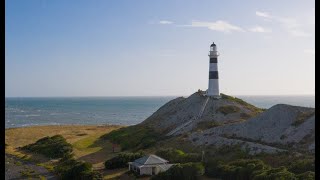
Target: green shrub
<point>178,156</point>
<point>137,137</point>
<point>302,117</point>
<point>187,171</point>
<point>69,168</point>
<point>52,147</point>
<point>301,166</point>
<point>121,160</point>
<point>242,102</point>
<point>280,173</point>
<point>309,175</point>
<point>228,109</point>
<point>207,125</point>
<point>241,169</point>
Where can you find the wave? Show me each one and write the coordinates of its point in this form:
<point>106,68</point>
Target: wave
<point>31,115</point>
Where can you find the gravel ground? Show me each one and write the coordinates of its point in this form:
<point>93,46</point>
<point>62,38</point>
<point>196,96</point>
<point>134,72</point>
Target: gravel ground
<point>14,168</point>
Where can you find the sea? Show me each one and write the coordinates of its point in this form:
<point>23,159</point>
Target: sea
<point>27,111</point>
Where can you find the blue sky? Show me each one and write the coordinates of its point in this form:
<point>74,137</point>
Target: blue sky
<point>154,48</point>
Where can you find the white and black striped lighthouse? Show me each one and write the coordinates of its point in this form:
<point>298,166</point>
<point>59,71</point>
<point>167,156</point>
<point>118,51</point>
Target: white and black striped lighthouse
<point>213,88</point>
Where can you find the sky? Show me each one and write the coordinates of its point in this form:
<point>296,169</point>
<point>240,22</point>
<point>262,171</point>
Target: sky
<point>158,48</point>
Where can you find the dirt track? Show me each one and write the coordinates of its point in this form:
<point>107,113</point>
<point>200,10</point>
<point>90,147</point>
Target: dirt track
<point>15,167</point>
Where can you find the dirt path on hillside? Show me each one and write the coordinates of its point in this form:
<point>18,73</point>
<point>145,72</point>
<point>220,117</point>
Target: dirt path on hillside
<point>16,168</point>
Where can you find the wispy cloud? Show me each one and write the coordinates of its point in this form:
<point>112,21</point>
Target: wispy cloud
<point>222,26</point>
<point>299,33</point>
<point>309,51</point>
<point>260,29</point>
<point>165,22</point>
<point>263,14</point>
<point>291,25</point>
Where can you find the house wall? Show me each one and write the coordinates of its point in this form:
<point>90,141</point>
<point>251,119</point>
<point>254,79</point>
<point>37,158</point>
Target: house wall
<point>158,170</point>
<point>146,170</point>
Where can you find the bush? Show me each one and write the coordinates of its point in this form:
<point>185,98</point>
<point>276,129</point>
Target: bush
<point>187,171</point>
<point>121,160</point>
<point>301,166</point>
<point>309,175</point>
<point>52,147</point>
<point>280,173</point>
<point>207,125</point>
<point>178,156</point>
<point>242,102</point>
<point>69,168</point>
<point>302,117</point>
<point>239,170</point>
<point>133,137</point>
<point>228,109</point>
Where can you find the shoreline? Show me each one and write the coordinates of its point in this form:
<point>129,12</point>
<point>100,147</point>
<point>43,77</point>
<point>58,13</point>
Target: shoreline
<point>73,125</point>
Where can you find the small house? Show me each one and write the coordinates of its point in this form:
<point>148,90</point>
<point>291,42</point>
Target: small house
<point>149,165</point>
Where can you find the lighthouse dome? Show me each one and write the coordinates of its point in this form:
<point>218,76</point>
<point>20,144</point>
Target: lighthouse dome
<point>213,44</point>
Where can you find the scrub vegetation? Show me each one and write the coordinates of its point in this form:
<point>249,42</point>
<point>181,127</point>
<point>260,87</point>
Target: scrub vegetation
<point>121,160</point>
<point>302,117</point>
<point>186,171</point>
<point>178,156</point>
<point>133,137</point>
<point>228,109</point>
<point>242,102</point>
<point>51,147</point>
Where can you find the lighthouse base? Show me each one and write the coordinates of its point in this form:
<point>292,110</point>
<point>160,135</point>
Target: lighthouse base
<point>212,96</point>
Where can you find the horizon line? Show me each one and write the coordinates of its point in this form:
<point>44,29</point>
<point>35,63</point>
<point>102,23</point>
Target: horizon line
<point>153,96</point>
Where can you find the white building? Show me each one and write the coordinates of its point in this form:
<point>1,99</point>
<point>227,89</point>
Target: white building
<point>149,165</point>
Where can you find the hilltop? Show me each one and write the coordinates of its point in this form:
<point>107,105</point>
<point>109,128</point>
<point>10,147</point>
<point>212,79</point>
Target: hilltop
<point>232,121</point>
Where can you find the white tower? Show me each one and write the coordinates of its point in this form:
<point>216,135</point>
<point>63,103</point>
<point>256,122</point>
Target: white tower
<point>213,88</point>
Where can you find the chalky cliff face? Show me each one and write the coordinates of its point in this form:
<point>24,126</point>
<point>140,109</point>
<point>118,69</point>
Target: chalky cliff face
<point>231,121</point>
<point>213,88</point>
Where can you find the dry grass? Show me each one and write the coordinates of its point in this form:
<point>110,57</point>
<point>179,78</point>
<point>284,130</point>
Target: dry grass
<point>18,137</point>
<point>82,137</point>
<point>114,174</point>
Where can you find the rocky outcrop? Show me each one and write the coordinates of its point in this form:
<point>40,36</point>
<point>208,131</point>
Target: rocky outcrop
<point>181,110</point>
<point>231,121</point>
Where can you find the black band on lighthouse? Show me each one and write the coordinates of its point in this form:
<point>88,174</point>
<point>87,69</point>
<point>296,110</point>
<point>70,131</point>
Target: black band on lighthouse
<point>213,60</point>
<point>213,75</point>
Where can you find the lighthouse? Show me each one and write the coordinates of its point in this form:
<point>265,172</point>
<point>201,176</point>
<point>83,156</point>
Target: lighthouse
<point>213,87</point>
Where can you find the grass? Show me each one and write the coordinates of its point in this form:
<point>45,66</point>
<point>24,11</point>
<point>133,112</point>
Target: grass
<point>114,174</point>
<point>84,139</point>
<point>203,125</point>
<point>133,137</point>
<point>242,102</point>
<point>48,165</point>
<point>228,109</point>
<point>302,117</point>
<point>86,144</point>
<point>42,177</point>
<point>18,137</point>
<point>27,172</point>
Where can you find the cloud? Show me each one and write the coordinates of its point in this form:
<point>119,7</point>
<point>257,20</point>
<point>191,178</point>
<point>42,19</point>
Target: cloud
<point>165,22</point>
<point>263,14</point>
<point>291,25</point>
<point>222,26</point>
<point>309,51</point>
<point>299,33</point>
<point>260,29</point>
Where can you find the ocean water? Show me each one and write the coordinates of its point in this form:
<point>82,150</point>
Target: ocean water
<point>21,112</point>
